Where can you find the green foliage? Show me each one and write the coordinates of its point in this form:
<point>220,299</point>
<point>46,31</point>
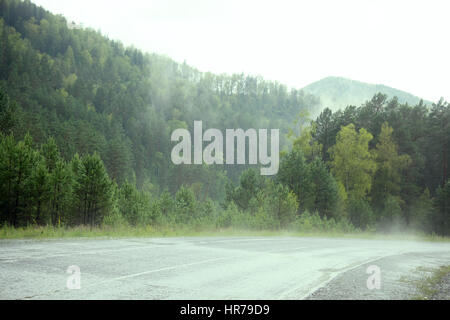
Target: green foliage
<point>185,205</point>
<point>280,202</point>
<point>93,190</point>
<point>325,132</point>
<point>311,223</point>
<point>295,173</point>
<point>94,95</point>
<point>422,212</point>
<point>305,142</point>
<point>41,191</point>
<point>8,117</point>
<point>134,205</point>
<point>389,168</point>
<point>101,116</point>
<point>442,205</point>
<point>271,205</point>
<point>352,162</point>
<point>50,152</point>
<point>251,183</point>
<point>391,215</point>
<point>17,164</point>
<point>411,154</point>
<point>360,213</point>
<point>228,217</point>
<point>312,183</point>
<point>325,190</point>
<point>164,205</point>
<point>61,191</point>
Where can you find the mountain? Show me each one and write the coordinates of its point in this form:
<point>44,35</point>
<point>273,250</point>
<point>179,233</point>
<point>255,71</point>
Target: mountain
<point>337,92</point>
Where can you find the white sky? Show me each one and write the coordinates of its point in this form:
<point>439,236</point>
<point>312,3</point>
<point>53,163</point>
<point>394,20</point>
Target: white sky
<point>402,44</point>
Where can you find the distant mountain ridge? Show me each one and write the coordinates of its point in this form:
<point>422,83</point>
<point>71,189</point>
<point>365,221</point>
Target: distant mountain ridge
<point>337,92</point>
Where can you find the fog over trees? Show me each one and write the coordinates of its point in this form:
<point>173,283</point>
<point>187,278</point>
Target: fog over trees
<point>85,140</point>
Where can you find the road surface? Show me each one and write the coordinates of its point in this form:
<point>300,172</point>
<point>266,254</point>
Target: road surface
<point>213,268</point>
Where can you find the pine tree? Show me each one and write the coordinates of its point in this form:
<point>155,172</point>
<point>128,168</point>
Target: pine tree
<point>93,189</point>
<point>40,191</point>
<point>325,190</point>
<point>60,189</point>
<point>16,172</point>
<point>295,173</point>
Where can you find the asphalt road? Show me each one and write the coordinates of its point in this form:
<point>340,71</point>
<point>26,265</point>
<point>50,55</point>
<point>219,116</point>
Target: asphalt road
<point>212,268</point>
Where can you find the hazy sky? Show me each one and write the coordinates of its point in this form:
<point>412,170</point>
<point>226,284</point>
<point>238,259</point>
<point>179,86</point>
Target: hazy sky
<point>403,44</point>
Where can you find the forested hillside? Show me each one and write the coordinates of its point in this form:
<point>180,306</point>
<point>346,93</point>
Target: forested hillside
<point>85,140</point>
<point>92,94</point>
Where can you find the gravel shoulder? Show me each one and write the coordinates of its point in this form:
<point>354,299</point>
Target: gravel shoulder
<point>402,277</point>
<point>443,289</point>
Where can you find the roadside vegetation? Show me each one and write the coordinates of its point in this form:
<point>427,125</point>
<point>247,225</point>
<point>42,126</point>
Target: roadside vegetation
<point>430,282</point>
<point>430,286</point>
<point>127,231</point>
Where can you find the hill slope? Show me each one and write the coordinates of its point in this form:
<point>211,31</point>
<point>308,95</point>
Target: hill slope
<point>336,92</point>
<point>95,95</point>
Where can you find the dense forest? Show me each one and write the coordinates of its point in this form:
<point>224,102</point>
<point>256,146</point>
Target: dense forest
<point>85,140</point>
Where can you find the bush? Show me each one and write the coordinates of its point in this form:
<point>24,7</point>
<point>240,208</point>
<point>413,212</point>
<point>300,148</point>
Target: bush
<point>391,216</point>
<point>308,222</point>
<point>115,219</point>
<point>135,205</point>
<point>360,213</point>
<point>281,204</point>
<point>225,217</point>
<point>264,220</point>
<point>185,205</point>
<point>421,213</point>
<point>163,209</point>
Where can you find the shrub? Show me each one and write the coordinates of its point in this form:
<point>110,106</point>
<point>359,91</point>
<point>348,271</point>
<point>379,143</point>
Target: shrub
<point>360,212</point>
<point>185,205</point>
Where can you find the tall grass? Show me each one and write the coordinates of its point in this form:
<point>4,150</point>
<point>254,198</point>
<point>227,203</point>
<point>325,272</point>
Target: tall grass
<point>127,231</point>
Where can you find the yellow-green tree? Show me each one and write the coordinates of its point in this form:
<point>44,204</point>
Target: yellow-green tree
<point>310,148</point>
<point>352,163</point>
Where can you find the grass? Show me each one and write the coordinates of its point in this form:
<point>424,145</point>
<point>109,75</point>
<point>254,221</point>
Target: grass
<point>126,231</point>
<point>427,286</point>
